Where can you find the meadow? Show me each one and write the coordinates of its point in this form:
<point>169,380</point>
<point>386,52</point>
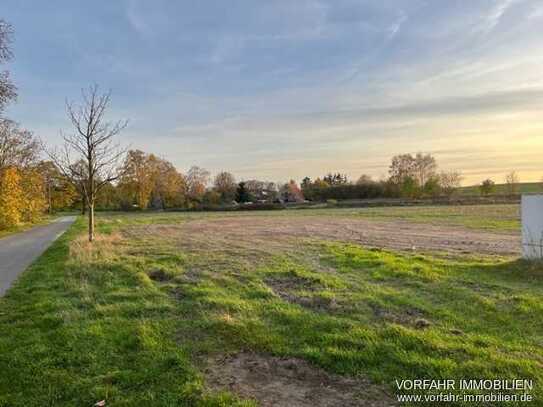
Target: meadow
<point>284,308</point>
<point>501,189</point>
<point>497,218</point>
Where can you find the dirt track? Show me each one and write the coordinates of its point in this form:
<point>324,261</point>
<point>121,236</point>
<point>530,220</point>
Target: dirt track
<point>398,235</point>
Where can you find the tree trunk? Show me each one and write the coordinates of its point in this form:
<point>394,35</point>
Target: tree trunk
<point>83,207</point>
<point>91,222</point>
<point>49,198</point>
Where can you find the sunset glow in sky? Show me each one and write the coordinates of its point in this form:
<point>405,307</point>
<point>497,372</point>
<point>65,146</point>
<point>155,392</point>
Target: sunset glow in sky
<point>284,89</point>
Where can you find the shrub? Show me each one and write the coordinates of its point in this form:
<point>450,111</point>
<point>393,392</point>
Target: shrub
<point>368,190</point>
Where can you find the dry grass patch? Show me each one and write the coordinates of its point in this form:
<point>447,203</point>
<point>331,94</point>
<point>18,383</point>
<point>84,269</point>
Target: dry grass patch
<point>104,248</point>
<point>264,234</point>
<point>301,291</point>
<point>407,316</point>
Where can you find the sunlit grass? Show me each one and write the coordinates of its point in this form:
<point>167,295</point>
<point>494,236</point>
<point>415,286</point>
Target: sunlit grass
<point>499,218</point>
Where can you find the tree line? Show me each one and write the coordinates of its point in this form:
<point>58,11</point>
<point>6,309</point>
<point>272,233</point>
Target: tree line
<point>410,176</point>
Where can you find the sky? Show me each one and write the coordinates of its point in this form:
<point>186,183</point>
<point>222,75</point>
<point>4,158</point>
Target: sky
<point>285,89</point>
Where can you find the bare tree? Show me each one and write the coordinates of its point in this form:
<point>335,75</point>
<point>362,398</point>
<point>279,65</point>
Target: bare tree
<point>450,181</point>
<point>7,89</point>
<point>401,167</point>
<point>424,168</point>
<point>511,182</point>
<point>225,184</point>
<point>197,180</point>
<point>90,157</point>
<point>18,147</point>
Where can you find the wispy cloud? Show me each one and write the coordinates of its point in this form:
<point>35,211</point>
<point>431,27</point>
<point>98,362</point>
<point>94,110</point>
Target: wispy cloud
<point>397,25</point>
<point>498,10</point>
<point>136,20</point>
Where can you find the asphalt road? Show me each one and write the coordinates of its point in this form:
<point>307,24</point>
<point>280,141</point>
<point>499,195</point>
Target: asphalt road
<point>18,251</point>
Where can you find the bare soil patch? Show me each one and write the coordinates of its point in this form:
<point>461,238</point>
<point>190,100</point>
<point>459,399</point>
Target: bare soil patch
<point>286,288</point>
<point>253,231</point>
<point>407,316</point>
<point>159,275</point>
<point>290,382</point>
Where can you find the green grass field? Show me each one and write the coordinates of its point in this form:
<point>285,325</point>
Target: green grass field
<point>523,188</point>
<point>136,318</point>
<point>498,218</point>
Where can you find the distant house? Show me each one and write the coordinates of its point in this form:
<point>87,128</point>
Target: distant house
<point>291,192</point>
<point>262,191</point>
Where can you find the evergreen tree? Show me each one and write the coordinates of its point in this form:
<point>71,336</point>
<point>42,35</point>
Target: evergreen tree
<point>242,194</point>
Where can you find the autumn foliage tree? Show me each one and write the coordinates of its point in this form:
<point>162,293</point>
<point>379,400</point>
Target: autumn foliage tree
<point>137,178</point>
<point>291,192</point>
<point>149,181</point>
<point>22,196</point>
<point>197,180</point>
<point>59,191</point>
<point>22,191</point>
<point>11,195</point>
<point>33,200</point>
<point>169,189</point>
<point>225,184</point>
